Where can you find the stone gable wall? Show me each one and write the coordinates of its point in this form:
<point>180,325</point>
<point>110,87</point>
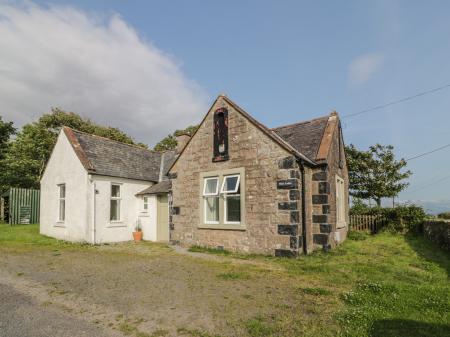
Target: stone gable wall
<point>326,235</point>
<point>272,190</point>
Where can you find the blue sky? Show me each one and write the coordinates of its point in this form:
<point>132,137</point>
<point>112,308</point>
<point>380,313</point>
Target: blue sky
<point>294,60</point>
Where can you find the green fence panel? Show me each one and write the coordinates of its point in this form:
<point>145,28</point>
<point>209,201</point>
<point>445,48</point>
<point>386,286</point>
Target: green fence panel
<point>23,206</point>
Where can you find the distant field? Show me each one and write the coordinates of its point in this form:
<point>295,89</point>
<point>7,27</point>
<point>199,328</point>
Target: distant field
<point>384,285</point>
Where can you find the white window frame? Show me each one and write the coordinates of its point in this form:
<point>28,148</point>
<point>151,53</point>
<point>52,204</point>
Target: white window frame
<point>225,203</point>
<point>209,195</point>
<point>230,193</point>
<point>205,180</point>
<point>59,202</point>
<point>222,224</point>
<point>145,203</point>
<point>119,198</point>
<point>340,202</point>
<point>237,183</point>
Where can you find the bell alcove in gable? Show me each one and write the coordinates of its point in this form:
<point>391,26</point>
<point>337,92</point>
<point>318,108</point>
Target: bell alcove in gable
<point>220,135</point>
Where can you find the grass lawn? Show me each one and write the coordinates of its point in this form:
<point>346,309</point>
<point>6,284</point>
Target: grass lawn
<point>384,285</point>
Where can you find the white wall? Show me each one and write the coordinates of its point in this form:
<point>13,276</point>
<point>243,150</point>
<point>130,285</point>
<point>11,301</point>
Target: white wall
<point>65,168</point>
<point>131,207</point>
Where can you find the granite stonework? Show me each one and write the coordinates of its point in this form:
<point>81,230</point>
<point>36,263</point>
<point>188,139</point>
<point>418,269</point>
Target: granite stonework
<point>267,188</point>
<point>274,222</point>
<point>326,232</point>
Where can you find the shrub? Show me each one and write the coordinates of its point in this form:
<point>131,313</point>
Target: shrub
<point>445,216</point>
<point>400,219</point>
<point>404,218</point>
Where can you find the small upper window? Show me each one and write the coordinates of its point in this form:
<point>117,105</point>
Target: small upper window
<point>145,203</point>
<point>230,184</point>
<point>211,186</point>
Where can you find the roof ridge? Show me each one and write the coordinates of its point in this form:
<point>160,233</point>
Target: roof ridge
<point>303,122</point>
<point>111,140</point>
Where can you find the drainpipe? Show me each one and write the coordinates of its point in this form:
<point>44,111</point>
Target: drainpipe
<point>94,211</point>
<point>302,173</point>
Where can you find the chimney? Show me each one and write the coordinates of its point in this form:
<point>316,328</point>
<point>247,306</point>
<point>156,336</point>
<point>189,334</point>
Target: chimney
<point>182,140</point>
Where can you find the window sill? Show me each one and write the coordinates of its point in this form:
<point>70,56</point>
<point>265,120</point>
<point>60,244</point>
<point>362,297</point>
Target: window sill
<point>114,224</point>
<point>240,227</point>
<point>60,224</point>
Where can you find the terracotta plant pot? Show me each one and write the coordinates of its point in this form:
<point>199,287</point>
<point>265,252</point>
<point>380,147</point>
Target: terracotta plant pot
<point>137,236</point>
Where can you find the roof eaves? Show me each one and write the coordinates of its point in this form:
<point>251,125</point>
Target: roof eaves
<point>272,134</point>
<point>73,140</point>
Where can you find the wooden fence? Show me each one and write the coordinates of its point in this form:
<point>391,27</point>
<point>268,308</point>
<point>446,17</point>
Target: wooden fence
<point>20,206</point>
<point>365,222</point>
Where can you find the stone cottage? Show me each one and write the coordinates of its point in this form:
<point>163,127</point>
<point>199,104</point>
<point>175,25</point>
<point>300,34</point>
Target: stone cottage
<point>241,186</point>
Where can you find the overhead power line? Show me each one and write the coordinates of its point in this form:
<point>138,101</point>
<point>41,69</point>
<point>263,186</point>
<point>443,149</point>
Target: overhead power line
<point>430,184</point>
<point>426,153</point>
<point>378,107</point>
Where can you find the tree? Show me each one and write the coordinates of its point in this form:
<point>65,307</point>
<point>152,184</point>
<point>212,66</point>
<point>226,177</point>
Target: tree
<point>376,174</point>
<point>170,142</point>
<point>24,161</point>
<point>6,131</point>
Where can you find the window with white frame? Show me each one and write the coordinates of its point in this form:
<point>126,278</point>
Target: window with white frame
<point>340,202</point>
<point>221,201</point>
<point>211,200</point>
<point>62,202</point>
<point>145,206</point>
<point>115,202</point>
<point>231,199</point>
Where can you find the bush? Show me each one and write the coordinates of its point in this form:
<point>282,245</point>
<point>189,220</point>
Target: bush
<point>399,219</point>
<point>404,218</point>
<point>445,216</point>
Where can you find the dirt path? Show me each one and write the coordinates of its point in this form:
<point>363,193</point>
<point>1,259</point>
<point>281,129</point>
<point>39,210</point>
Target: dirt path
<point>27,310</point>
<point>151,290</point>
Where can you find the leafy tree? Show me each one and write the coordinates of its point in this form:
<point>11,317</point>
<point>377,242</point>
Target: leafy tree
<point>24,161</point>
<point>170,142</point>
<point>6,131</point>
<point>376,174</point>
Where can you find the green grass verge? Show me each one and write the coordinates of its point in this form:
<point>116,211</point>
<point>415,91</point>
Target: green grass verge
<point>373,285</point>
<point>381,285</point>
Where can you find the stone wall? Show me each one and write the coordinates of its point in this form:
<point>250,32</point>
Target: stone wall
<point>272,190</point>
<point>438,232</point>
<point>326,233</point>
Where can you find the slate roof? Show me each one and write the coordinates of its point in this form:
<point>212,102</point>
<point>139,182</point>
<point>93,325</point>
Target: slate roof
<point>103,156</point>
<point>159,188</point>
<point>305,137</point>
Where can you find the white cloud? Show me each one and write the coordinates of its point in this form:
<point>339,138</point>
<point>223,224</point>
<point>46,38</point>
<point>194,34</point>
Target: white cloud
<point>362,68</point>
<point>98,67</point>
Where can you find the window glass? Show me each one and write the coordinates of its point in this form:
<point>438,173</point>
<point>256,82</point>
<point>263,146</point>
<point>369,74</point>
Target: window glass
<point>230,184</point>
<point>212,209</point>
<point>62,202</point>
<point>115,191</point>
<point>62,191</point>
<point>233,208</point>
<point>115,210</point>
<point>145,203</point>
<point>115,203</point>
<point>211,186</point>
